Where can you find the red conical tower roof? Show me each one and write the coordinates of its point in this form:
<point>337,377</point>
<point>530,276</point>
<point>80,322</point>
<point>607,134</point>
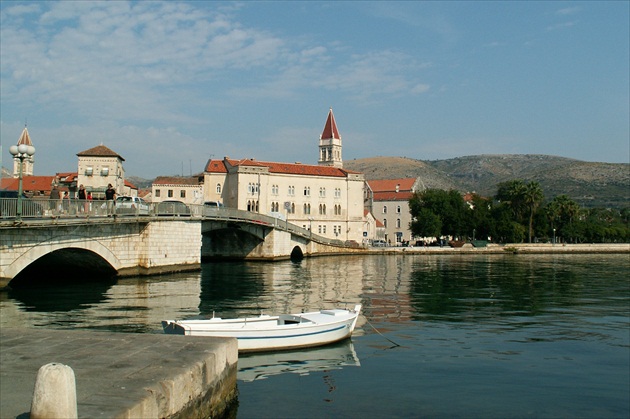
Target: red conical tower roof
<point>330,129</point>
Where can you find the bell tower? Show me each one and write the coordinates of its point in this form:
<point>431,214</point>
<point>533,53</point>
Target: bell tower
<point>330,144</point>
<point>28,162</point>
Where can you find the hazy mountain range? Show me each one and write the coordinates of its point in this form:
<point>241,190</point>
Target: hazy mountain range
<point>589,184</point>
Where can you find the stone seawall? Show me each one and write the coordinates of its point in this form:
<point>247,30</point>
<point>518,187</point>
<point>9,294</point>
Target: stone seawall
<point>514,248</point>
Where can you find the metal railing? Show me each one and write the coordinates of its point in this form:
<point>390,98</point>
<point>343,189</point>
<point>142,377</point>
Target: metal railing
<point>72,209</point>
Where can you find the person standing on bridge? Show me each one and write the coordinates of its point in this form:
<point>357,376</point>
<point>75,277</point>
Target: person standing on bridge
<point>82,198</point>
<point>110,196</point>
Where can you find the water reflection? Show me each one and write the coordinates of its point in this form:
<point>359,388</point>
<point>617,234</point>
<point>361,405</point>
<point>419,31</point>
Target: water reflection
<point>61,297</point>
<point>253,367</point>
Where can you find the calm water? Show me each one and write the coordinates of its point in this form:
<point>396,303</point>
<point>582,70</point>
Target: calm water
<point>443,336</point>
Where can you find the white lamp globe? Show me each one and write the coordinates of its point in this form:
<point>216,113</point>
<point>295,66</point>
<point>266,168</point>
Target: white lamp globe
<point>13,150</point>
<point>22,148</point>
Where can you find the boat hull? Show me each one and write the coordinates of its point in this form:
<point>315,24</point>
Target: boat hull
<point>268,333</point>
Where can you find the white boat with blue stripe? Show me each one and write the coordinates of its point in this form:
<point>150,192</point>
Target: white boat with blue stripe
<point>269,333</point>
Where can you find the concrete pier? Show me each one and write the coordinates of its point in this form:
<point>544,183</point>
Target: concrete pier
<point>122,375</point>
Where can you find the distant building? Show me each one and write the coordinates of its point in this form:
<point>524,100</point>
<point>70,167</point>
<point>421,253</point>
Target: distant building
<point>188,190</point>
<point>29,162</point>
<point>389,203</point>
<point>98,167</point>
<point>324,198</point>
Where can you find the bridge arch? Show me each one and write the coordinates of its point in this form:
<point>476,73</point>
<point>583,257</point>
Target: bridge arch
<point>297,253</point>
<point>94,251</point>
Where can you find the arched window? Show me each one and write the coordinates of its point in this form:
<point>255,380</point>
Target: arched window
<point>218,188</point>
<point>384,209</point>
<point>398,223</point>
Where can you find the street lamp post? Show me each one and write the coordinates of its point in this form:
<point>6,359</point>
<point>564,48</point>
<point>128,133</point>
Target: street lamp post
<point>554,236</point>
<point>21,152</point>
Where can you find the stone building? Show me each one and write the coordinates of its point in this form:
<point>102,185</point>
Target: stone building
<point>188,190</point>
<point>324,198</point>
<point>389,203</point>
<point>100,166</point>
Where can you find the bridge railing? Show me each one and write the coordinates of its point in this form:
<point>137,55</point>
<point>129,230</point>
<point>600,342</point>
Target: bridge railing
<point>42,208</point>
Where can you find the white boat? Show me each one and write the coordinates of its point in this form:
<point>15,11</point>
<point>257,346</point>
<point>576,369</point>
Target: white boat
<point>266,333</point>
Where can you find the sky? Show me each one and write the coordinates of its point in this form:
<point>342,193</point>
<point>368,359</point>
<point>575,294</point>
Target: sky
<point>169,85</point>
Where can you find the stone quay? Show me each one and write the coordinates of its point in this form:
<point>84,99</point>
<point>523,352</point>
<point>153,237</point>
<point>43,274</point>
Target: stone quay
<point>122,375</point>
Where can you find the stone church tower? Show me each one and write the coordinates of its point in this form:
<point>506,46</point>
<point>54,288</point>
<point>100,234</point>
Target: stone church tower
<point>330,144</point>
<point>27,165</point>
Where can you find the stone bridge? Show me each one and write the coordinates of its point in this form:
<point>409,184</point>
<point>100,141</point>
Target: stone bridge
<point>134,244</point>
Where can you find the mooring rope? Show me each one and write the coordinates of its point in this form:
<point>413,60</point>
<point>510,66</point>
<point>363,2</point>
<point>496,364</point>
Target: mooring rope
<point>376,330</point>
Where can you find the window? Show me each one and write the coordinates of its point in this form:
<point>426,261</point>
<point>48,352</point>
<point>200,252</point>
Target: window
<point>322,192</point>
<point>253,188</point>
<point>157,193</point>
<point>291,191</point>
<point>274,189</point>
<point>170,193</point>
<point>307,191</point>
<point>89,171</point>
<point>322,209</point>
<point>104,171</point>
<point>337,192</point>
<point>307,209</point>
<point>182,193</point>
<point>218,188</point>
<point>398,223</point>
<point>398,209</point>
<point>385,222</point>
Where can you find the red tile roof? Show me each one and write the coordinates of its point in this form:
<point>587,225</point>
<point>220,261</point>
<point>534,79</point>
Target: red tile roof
<point>176,180</point>
<point>392,196</point>
<point>389,185</point>
<point>221,166</point>
<point>29,183</point>
<point>330,128</point>
<point>100,151</point>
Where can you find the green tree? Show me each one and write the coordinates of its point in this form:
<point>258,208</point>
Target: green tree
<point>440,207</point>
<point>532,198</point>
<point>426,224</point>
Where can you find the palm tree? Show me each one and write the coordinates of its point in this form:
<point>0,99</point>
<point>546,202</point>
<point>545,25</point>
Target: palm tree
<point>532,197</point>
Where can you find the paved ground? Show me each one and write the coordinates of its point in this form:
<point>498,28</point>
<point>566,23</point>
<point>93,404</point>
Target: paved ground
<point>118,374</point>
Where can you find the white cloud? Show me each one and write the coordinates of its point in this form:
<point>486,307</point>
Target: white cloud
<point>562,25</point>
<point>568,11</point>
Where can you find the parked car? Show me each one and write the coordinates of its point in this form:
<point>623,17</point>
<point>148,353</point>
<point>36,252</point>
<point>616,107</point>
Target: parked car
<point>379,243</point>
<point>131,205</point>
<point>172,208</point>
<point>213,204</point>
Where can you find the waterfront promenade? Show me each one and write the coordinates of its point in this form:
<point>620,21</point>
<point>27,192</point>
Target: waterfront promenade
<point>122,375</point>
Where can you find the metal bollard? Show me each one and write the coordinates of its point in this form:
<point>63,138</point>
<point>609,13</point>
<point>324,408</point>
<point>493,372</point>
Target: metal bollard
<point>55,394</point>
